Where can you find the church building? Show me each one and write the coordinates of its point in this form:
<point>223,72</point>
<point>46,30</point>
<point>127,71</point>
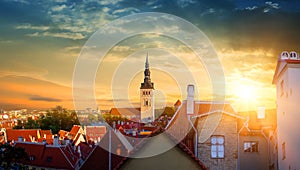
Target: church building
<point>145,113</point>
<point>146,96</point>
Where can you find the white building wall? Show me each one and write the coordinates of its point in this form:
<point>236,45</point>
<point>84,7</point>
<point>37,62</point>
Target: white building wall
<point>288,114</point>
<point>147,111</point>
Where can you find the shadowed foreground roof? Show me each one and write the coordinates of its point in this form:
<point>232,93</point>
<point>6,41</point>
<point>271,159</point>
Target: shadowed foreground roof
<point>174,159</point>
<point>98,159</point>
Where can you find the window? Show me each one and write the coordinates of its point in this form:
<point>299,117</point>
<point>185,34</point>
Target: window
<point>283,151</point>
<point>217,146</point>
<point>251,146</point>
<point>31,158</point>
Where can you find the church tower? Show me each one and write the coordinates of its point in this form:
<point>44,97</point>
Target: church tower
<point>146,96</point>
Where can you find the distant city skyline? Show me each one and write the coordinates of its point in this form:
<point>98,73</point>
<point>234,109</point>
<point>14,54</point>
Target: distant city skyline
<point>40,42</point>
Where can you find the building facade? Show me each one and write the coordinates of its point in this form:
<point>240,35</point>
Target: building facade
<point>287,80</point>
<point>258,140</point>
<point>221,138</point>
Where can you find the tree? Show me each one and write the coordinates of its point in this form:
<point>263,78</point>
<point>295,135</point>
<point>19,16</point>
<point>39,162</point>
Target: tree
<point>10,155</point>
<point>58,119</point>
<point>19,125</point>
<point>31,124</point>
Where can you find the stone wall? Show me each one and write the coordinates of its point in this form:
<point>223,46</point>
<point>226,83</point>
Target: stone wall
<point>254,160</point>
<point>228,128</point>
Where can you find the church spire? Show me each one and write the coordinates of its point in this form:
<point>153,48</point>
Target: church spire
<point>147,63</point>
<point>147,84</point>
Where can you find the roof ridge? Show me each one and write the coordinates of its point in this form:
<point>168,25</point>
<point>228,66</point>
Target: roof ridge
<point>187,151</point>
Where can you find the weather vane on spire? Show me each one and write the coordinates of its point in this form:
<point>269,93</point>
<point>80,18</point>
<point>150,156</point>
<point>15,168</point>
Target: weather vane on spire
<point>147,63</point>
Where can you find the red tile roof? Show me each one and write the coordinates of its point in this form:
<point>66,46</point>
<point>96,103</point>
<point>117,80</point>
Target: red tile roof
<point>85,149</point>
<point>49,156</point>
<point>27,134</point>
<point>76,134</point>
<point>95,132</point>
<point>98,159</point>
<point>46,132</point>
<point>203,107</point>
<point>75,130</point>
<point>132,112</point>
<point>62,134</point>
<point>178,103</point>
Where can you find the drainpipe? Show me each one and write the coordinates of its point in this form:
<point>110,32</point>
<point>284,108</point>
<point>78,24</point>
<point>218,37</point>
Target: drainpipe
<point>196,137</point>
<point>109,150</point>
<point>245,125</point>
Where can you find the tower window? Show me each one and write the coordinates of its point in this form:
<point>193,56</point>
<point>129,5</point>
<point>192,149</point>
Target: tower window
<point>147,103</point>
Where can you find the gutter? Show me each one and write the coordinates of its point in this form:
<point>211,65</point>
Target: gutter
<point>245,125</point>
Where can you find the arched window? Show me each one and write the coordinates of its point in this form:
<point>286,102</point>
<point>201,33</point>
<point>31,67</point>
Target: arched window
<point>284,55</point>
<point>293,55</point>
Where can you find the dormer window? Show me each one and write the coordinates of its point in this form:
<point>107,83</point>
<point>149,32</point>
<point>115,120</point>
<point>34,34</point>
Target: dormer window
<point>32,158</point>
<point>49,159</point>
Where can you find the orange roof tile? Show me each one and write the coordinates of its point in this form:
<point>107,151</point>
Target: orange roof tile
<point>178,103</point>
<point>94,132</point>
<point>75,130</point>
<point>125,111</point>
<point>27,134</point>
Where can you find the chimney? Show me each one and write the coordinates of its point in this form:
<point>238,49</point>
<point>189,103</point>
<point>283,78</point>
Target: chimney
<point>190,99</point>
<point>67,141</point>
<point>20,139</point>
<point>56,141</point>
<point>79,151</point>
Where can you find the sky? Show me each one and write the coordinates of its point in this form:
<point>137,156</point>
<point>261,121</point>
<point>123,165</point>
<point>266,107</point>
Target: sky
<point>40,42</point>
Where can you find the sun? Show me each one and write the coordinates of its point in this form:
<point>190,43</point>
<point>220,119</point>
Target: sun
<point>246,93</point>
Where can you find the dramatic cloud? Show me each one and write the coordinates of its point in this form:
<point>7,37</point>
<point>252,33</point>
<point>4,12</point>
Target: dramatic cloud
<point>41,98</point>
<point>58,8</point>
<point>30,27</point>
<point>67,35</point>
